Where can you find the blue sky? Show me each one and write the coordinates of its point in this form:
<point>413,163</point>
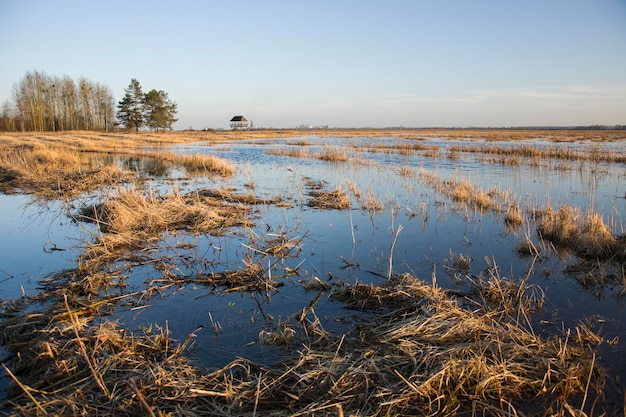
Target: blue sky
<point>364,63</point>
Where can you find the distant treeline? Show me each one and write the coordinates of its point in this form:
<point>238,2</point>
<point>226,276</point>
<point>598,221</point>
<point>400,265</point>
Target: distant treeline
<point>591,127</point>
<point>48,103</point>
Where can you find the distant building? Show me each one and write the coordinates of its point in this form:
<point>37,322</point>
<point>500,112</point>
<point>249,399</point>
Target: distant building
<point>311,127</point>
<point>238,123</point>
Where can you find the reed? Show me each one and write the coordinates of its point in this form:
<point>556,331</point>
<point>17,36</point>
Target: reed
<point>371,203</point>
<point>292,152</point>
<point>407,171</point>
<point>505,153</point>
<point>513,216</point>
<point>586,235</point>
<point>199,163</point>
<point>422,355</point>
<point>417,350</point>
<point>425,351</point>
<point>463,191</point>
<point>64,166</point>
<point>332,154</point>
<point>131,219</point>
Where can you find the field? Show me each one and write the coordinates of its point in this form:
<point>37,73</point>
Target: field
<point>354,272</point>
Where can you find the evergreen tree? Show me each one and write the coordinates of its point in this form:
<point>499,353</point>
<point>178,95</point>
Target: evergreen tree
<point>131,109</point>
<point>159,111</point>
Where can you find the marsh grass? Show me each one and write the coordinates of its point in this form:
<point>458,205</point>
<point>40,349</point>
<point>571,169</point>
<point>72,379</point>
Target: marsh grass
<point>332,154</point>
<point>422,354</point>
<point>405,148</point>
<point>251,277</point>
<point>292,152</point>
<point>337,199</point>
<point>417,349</point>
<point>463,191</point>
<point>594,275</point>
<point>372,203</point>
<point>56,173</point>
<point>513,216</point>
<point>70,162</point>
<point>459,263</point>
<point>198,164</point>
<point>514,298</point>
<point>585,234</point>
<point>407,172</point>
<point>228,195</point>
<point>133,220</point>
<point>82,367</point>
<point>511,154</point>
<point>61,166</point>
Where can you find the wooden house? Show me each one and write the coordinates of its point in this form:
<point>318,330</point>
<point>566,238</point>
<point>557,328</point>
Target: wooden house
<point>238,123</point>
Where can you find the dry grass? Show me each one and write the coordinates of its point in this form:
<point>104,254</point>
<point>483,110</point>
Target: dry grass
<point>459,263</point>
<point>198,163</point>
<point>422,354</point>
<point>131,220</point>
<point>586,235</point>
<point>74,367</point>
<point>332,154</point>
<point>229,196</point>
<point>66,165</point>
<point>513,216</point>
<point>337,199</point>
<point>406,148</point>
<point>371,203</point>
<point>594,154</point>
<point>293,152</point>
<point>55,172</point>
<point>71,164</point>
<point>463,191</point>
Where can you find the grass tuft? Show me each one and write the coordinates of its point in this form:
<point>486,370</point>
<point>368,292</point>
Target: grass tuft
<point>586,235</point>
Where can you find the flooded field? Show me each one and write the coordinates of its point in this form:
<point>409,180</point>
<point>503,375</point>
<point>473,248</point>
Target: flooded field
<point>371,273</point>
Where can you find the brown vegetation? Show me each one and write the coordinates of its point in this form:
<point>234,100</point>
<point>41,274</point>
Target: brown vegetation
<point>57,166</point>
<point>425,351</point>
<point>594,154</point>
<point>586,235</point>
<point>424,354</point>
<point>332,154</point>
<point>130,220</point>
<point>329,199</point>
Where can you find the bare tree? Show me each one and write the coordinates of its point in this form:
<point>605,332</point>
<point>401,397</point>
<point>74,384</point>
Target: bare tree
<point>43,103</point>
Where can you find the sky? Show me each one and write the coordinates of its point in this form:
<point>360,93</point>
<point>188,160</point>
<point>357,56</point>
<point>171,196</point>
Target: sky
<point>341,63</point>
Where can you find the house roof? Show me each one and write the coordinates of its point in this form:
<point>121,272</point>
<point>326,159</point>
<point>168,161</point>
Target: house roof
<point>238,119</point>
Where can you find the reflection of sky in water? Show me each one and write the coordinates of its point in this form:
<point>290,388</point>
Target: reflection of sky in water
<point>328,250</point>
<point>30,231</point>
<point>583,184</point>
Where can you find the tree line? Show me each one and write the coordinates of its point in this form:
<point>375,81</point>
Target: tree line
<point>49,103</point>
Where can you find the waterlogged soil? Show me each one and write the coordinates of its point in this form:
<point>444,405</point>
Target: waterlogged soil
<point>396,223</point>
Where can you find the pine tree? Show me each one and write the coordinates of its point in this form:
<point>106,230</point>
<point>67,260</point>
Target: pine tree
<point>131,108</point>
<point>159,111</point>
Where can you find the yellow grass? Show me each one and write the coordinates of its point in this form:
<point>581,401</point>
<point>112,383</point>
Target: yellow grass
<point>421,354</point>
<point>337,199</point>
<point>586,235</point>
<point>132,219</point>
<point>62,165</point>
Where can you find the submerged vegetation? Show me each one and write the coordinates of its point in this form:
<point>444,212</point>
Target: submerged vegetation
<point>481,344</point>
